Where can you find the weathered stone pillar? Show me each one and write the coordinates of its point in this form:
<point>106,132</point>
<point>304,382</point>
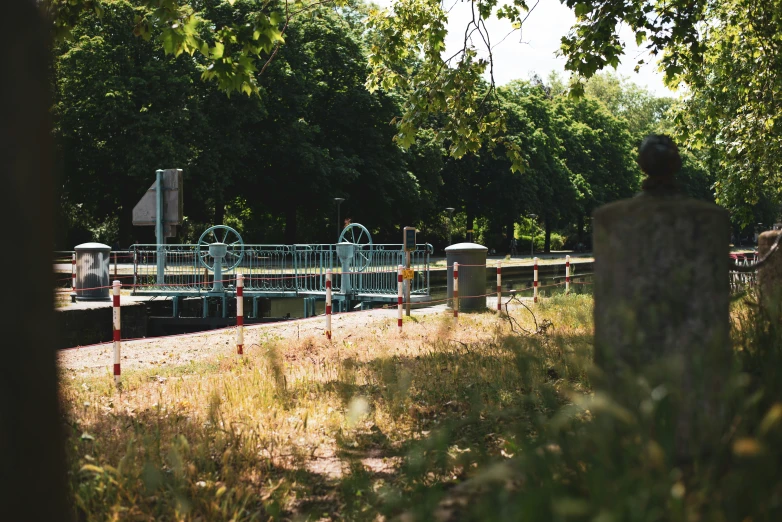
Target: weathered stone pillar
<point>770,273</point>
<point>662,292</point>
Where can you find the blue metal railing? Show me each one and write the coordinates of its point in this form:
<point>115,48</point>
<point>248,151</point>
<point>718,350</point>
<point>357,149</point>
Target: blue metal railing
<point>281,269</point>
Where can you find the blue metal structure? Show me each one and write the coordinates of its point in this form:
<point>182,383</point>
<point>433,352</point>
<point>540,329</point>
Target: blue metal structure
<point>208,269</point>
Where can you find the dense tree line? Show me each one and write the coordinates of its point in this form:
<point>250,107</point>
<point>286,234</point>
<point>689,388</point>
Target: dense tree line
<point>270,165</point>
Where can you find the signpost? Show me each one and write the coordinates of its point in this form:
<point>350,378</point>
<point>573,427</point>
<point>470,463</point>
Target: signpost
<point>162,207</point>
<point>408,240</point>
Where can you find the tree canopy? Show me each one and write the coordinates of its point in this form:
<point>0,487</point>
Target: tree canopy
<point>316,122</point>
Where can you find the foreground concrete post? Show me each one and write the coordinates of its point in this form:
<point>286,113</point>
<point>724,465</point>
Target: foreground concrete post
<point>770,274</point>
<point>662,292</point>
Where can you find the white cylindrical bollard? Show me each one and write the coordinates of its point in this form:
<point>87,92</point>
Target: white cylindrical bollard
<point>535,281</point>
<point>456,292</point>
<point>499,286</point>
<point>567,274</point>
<point>240,314</point>
<point>117,332</point>
<point>400,290</point>
<point>73,274</point>
<point>328,304</point>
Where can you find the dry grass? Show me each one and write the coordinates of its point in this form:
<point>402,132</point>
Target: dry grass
<point>307,429</point>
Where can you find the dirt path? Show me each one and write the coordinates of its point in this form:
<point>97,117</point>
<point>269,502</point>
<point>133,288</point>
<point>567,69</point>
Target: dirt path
<point>181,349</point>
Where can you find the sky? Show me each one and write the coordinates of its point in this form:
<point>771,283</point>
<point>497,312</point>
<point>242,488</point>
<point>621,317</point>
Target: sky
<point>533,50</point>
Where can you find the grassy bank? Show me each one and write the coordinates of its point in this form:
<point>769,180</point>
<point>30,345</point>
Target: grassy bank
<point>486,420</point>
<point>288,428</point>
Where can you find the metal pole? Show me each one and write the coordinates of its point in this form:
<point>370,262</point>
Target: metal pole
<point>499,286</point>
<point>455,292</point>
<point>159,235</point>
<point>117,332</point>
<point>407,285</point>
<point>535,281</point>
<point>399,298</point>
<point>328,304</point>
<point>240,314</point>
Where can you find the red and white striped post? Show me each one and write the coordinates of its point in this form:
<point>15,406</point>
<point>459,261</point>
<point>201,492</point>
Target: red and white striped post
<point>73,273</point>
<point>456,292</point>
<point>567,274</point>
<point>328,304</point>
<point>499,286</point>
<point>117,333</point>
<point>535,281</point>
<point>240,314</point>
<point>399,292</point>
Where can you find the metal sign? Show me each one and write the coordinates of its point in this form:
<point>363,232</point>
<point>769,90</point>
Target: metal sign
<point>145,211</point>
<point>408,273</point>
<point>409,238</point>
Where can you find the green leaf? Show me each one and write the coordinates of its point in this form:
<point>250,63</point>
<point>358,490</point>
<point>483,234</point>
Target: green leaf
<point>581,10</point>
<point>216,52</point>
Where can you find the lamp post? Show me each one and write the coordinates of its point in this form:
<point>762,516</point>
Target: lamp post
<point>533,217</point>
<point>339,202</point>
<point>450,218</point>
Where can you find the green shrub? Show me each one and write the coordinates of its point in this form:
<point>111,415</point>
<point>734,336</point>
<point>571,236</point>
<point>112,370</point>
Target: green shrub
<point>557,241</point>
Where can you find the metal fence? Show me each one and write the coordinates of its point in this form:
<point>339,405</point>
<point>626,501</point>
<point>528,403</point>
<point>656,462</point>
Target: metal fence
<point>740,281</point>
<point>279,269</point>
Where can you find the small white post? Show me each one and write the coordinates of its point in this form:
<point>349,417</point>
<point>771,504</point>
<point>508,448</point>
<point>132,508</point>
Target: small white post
<point>117,332</point>
<point>328,304</point>
<point>240,314</point>
<point>73,274</point>
<point>499,286</point>
<point>399,299</point>
<point>567,274</point>
<point>456,292</point>
<point>535,281</point>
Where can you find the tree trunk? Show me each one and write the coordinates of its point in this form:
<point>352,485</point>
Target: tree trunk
<point>127,235</point>
<point>469,237</point>
<point>547,241</point>
<point>32,475</point>
<point>580,228</point>
<point>219,207</point>
<point>290,225</point>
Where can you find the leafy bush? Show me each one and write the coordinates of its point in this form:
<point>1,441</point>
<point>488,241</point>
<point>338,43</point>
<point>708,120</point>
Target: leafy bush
<point>557,241</point>
<point>524,243</point>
